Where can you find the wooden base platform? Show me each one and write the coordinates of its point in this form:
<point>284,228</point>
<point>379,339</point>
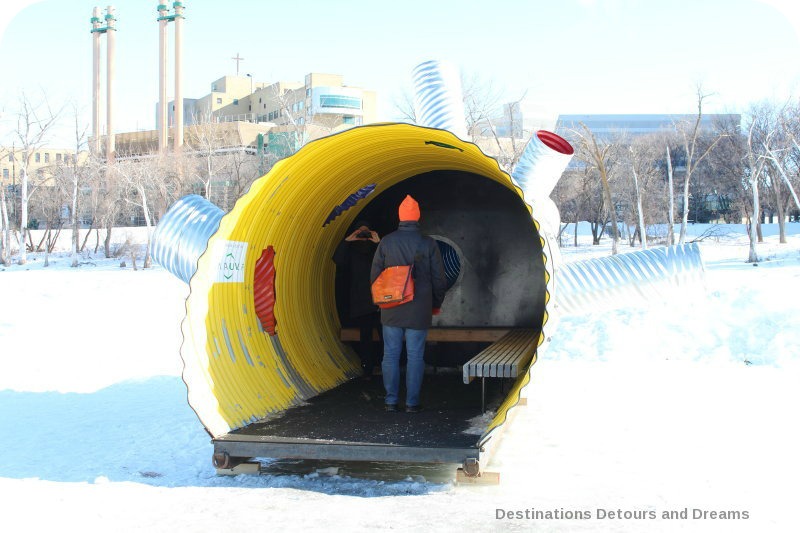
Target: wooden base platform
<point>350,423</point>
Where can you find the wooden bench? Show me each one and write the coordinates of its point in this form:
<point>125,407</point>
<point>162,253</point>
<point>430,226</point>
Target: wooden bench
<point>441,334</point>
<point>511,350</point>
<point>505,358</point>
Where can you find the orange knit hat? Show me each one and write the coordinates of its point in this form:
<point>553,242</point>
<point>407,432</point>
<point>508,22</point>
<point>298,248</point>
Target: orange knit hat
<point>409,209</point>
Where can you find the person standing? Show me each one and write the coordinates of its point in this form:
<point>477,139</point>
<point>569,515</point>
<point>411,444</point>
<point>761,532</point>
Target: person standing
<point>354,254</point>
<point>409,321</point>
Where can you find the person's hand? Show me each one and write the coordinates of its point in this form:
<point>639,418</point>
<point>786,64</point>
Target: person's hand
<point>354,236</point>
<point>374,236</point>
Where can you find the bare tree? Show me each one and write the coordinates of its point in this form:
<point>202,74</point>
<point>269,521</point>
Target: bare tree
<point>404,105</point>
<point>206,140</point>
<point>781,164</point>
<point>642,156</point>
<point>792,126</point>
<point>48,206</point>
<point>243,170</point>
<point>566,197</point>
<point>110,201</point>
<point>93,198</point>
<point>481,100</point>
<point>5,234</point>
<point>34,123</point>
<point>759,137</point>
<point>139,178</point>
<point>78,170</point>
<point>579,196</point>
<point>725,168</point>
<point>783,159</point>
<point>695,153</point>
<point>295,135</point>
<point>5,226</point>
<point>600,155</point>
<point>671,212</point>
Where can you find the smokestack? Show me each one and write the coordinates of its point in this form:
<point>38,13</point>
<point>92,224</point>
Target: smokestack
<point>111,32</point>
<point>162,78</point>
<point>178,7</point>
<point>96,30</point>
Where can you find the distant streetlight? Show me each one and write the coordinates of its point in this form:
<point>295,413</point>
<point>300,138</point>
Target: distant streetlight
<point>251,90</point>
<point>14,183</point>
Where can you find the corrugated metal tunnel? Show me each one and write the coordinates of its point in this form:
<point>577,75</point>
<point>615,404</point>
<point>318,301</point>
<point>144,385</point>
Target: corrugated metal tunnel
<point>236,373</point>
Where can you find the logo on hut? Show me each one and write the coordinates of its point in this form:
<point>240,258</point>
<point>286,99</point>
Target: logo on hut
<point>231,260</point>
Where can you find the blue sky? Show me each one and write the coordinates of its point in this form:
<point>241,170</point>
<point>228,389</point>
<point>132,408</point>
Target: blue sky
<point>568,56</point>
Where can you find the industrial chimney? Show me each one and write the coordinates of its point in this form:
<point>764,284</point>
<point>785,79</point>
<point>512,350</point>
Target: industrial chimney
<point>110,30</point>
<point>163,19</point>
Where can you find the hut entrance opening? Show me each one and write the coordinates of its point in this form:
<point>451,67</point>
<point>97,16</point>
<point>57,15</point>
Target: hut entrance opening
<point>493,259</point>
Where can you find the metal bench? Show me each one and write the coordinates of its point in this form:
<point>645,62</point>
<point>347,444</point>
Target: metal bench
<point>505,358</point>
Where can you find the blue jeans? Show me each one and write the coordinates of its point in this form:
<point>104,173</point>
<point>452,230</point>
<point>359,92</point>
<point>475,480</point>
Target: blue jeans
<point>415,368</point>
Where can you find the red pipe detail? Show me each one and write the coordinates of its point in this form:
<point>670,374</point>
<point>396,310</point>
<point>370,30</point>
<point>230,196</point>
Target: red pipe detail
<point>556,142</point>
<point>264,290</point>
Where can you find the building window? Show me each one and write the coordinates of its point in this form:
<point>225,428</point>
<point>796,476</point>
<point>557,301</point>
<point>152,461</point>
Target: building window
<point>11,157</point>
<point>5,173</point>
<point>47,157</point>
<point>300,105</point>
<point>213,87</point>
<point>250,107</point>
<point>301,121</point>
<point>348,119</point>
<point>58,158</point>
<point>334,100</point>
<point>308,92</point>
<point>38,158</point>
<point>235,101</point>
<point>219,100</point>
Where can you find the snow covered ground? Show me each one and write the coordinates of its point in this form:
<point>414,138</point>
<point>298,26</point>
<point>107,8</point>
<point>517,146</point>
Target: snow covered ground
<point>646,409</point>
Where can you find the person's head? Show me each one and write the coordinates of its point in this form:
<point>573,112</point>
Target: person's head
<point>363,225</point>
<point>409,210</point>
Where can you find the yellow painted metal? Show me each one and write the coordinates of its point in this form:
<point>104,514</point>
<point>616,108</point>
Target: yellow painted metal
<point>234,372</point>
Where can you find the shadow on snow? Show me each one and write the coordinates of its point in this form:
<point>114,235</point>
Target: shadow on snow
<point>144,431</point>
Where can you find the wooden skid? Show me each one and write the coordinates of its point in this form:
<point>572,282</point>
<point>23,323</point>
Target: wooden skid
<point>484,478</point>
<point>248,467</point>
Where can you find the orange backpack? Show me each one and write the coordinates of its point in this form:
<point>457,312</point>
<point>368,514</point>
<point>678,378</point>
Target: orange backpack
<point>393,287</point>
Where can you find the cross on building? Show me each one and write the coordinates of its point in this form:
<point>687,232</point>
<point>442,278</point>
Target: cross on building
<point>237,59</point>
